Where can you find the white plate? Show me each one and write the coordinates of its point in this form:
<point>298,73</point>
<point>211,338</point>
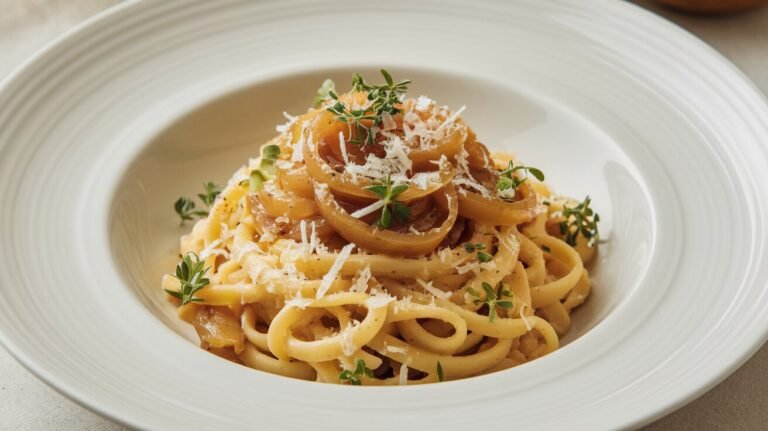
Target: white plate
<point>100,132</point>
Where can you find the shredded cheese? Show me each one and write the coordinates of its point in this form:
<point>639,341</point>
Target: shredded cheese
<point>282,128</point>
<point>343,146</point>
<point>361,282</point>
<point>433,290</point>
<point>299,302</point>
<point>328,278</point>
<point>347,344</point>
<point>403,377</point>
<point>396,349</point>
<point>378,301</point>
<point>362,212</point>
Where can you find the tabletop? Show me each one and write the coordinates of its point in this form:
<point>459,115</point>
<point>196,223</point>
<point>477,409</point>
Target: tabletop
<point>738,403</point>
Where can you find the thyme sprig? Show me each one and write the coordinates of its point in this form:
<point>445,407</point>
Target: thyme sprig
<point>492,299</point>
<point>508,181</point>
<point>323,93</point>
<point>188,210</point>
<point>440,375</point>
<point>352,377</point>
<point>481,255</point>
<point>266,169</point>
<point>383,99</point>
<point>191,274</point>
<point>387,194</point>
<point>580,220</point>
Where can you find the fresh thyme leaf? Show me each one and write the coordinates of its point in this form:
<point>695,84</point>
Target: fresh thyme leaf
<point>492,299</point>
<point>256,180</point>
<point>490,294</point>
<point>484,257</point>
<point>387,195</point>
<point>323,93</point>
<point>545,248</point>
<point>267,168</point>
<point>383,100</point>
<point>271,152</point>
<point>352,377</point>
<point>397,190</point>
<point>481,255</point>
<point>187,210</point>
<point>386,218</point>
<point>211,191</point>
<point>508,182</point>
<point>536,172</point>
<point>440,375</point>
<point>470,248</point>
<point>191,274</point>
<point>402,212</point>
<point>580,220</point>
<point>505,183</point>
<point>387,77</point>
<point>380,190</point>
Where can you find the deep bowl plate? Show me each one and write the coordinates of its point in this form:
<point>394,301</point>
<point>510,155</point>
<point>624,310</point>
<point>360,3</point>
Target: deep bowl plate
<point>103,130</point>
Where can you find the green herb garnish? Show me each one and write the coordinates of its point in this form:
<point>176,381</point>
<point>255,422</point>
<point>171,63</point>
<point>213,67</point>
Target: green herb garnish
<point>507,179</point>
<point>481,255</point>
<point>323,93</point>
<point>190,274</point>
<point>382,100</point>
<point>186,208</point>
<point>266,169</point>
<point>545,248</point>
<point>352,377</point>
<point>440,375</point>
<point>492,300</point>
<point>387,195</point>
<point>470,248</point>
<point>211,191</point>
<point>580,219</point>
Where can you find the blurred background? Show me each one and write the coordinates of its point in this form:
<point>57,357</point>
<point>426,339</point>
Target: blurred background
<point>736,28</point>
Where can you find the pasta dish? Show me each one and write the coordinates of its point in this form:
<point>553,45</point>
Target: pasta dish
<point>377,241</point>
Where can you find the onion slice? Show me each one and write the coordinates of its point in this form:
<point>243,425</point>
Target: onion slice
<point>497,211</point>
<point>386,241</point>
<point>342,184</point>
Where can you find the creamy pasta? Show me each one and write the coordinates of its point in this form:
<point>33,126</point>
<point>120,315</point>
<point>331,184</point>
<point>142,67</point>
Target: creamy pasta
<point>377,241</point>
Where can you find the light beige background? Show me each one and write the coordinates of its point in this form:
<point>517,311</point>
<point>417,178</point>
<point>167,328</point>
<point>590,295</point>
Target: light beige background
<point>739,403</point>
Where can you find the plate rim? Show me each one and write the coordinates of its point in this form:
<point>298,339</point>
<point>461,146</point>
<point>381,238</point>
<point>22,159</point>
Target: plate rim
<point>129,6</point>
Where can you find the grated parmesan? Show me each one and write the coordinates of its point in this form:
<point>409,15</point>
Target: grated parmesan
<point>403,377</point>
<point>328,278</point>
<point>433,290</point>
<point>343,147</point>
<point>362,212</point>
<point>299,302</point>
<point>282,128</point>
<point>378,301</point>
<point>361,282</point>
<point>451,119</point>
<point>347,344</point>
<point>396,349</point>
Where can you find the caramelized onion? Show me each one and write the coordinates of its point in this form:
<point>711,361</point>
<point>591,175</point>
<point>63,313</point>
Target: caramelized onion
<point>497,211</point>
<point>386,241</point>
<point>342,184</point>
<point>281,203</point>
<point>295,179</point>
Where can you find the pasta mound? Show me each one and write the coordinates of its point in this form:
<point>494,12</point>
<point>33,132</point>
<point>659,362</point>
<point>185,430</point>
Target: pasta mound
<point>377,241</point>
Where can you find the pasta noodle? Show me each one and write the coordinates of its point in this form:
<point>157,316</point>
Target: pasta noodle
<point>376,241</point>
